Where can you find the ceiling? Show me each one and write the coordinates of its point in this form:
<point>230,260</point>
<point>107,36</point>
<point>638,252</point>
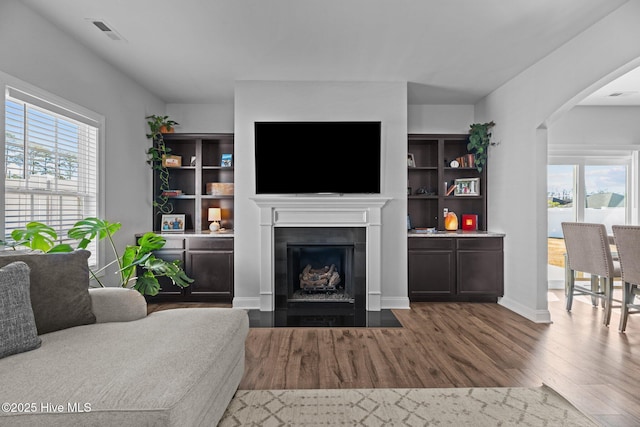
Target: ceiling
<point>450,52</point>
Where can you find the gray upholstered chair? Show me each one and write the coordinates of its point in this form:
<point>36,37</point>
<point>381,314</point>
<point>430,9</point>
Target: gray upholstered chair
<point>628,243</point>
<point>588,252</point>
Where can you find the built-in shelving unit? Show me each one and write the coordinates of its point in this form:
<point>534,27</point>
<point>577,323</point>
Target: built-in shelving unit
<point>192,178</point>
<point>433,175</point>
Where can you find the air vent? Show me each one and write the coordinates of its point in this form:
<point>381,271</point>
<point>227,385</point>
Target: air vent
<point>628,93</point>
<point>106,29</point>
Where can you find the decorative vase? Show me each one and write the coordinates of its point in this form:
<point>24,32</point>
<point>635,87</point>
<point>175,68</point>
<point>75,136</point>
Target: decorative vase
<point>451,221</point>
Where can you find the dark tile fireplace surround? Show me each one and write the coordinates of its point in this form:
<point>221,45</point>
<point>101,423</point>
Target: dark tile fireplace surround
<point>318,303</point>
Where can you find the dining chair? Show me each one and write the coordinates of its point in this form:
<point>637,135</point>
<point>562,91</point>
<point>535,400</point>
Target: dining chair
<point>588,251</point>
<point>627,239</point>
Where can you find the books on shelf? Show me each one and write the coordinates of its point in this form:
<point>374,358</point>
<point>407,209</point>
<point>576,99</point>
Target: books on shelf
<point>172,193</point>
<point>467,161</point>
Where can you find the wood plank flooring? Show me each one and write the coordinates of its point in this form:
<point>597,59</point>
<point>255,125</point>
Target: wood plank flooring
<point>462,345</point>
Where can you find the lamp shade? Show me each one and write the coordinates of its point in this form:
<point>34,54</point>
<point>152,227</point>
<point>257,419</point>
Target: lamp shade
<point>214,214</point>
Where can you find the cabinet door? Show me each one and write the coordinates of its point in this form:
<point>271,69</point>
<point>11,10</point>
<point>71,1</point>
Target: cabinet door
<point>212,272</point>
<point>431,269</point>
<point>167,288</point>
<point>480,267</point>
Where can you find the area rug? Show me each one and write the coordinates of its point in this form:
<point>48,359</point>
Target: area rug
<point>479,407</point>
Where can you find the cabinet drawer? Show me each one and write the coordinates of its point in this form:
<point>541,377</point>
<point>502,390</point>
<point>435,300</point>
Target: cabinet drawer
<point>430,243</point>
<point>203,243</point>
<point>481,243</point>
<point>174,243</point>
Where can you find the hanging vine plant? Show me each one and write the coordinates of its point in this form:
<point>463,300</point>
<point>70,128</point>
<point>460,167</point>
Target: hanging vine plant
<point>479,142</point>
<point>158,125</point>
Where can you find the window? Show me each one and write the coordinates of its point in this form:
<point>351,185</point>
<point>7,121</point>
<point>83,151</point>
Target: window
<point>51,165</point>
<point>592,186</point>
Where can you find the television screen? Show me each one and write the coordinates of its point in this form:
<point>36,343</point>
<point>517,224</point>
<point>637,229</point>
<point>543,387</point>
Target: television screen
<point>317,157</point>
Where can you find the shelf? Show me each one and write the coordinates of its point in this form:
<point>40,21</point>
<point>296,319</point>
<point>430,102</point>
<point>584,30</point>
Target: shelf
<point>432,154</point>
<point>201,156</point>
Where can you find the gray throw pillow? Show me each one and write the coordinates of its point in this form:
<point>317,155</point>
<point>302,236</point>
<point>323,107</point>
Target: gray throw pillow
<point>17,325</point>
<point>59,288</point>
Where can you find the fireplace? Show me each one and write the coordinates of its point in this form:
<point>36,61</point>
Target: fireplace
<point>320,268</point>
<point>321,212</point>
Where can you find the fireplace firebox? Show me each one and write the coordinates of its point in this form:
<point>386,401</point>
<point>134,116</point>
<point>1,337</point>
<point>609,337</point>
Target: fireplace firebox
<point>320,270</point>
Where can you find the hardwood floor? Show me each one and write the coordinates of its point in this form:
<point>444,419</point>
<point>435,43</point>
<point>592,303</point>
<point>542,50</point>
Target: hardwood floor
<point>463,345</point>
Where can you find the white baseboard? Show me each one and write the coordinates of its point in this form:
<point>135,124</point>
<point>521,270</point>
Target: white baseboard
<point>388,303</point>
<point>247,303</point>
<point>537,316</point>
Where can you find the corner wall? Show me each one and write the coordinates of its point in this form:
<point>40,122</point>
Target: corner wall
<point>45,57</point>
<point>517,176</point>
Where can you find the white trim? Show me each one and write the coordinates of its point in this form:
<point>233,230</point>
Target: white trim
<point>537,316</point>
<point>321,211</point>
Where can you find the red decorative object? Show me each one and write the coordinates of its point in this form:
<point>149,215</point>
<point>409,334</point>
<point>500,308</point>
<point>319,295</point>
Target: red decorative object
<point>469,222</point>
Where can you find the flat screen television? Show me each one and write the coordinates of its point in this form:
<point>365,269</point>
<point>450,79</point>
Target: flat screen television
<point>317,157</point>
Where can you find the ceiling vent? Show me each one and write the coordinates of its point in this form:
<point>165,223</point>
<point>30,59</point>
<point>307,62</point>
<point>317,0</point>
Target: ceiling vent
<point>106,29</point>
<point>615,94</point>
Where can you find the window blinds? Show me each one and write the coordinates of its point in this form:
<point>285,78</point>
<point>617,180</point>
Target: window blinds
<point>51,165</point>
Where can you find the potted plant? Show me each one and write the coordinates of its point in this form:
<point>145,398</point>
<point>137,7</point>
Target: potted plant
<point>479,141</point>
<point>158,126</point>
<point>41,237</point>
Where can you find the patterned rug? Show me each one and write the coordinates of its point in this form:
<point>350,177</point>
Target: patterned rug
<point>403,407</point>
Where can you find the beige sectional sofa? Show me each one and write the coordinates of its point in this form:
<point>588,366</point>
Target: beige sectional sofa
<point>176,367</point>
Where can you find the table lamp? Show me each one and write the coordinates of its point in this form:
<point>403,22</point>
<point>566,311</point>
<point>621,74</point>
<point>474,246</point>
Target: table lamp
<point>215,217</point>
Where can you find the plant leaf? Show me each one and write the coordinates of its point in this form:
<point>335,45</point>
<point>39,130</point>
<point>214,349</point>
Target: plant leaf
<point>147,284</point>
<point>36,235</point>
<point>89,228</point>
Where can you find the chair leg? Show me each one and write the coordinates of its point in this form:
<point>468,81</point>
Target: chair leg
<point>595,287</point>
<point>570,285</point>
<point>608,292</point>
<point>627,295</point>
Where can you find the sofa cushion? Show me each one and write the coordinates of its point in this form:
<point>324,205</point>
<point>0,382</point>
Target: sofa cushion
<point>175,367</point>
<point>59,288</point>
<point>17,326</point>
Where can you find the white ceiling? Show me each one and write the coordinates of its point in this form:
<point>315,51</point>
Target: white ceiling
<point>450,52</point>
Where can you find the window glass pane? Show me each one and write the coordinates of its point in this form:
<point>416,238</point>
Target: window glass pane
<point>560,195</point>
<point>605,194</point>
<point>50,169</point>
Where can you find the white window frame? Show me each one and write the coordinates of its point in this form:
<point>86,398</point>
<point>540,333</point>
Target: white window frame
<point>585,155</point>
<point>60,105</point>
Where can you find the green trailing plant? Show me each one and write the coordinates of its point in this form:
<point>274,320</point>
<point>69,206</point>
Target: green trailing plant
<point>479,142</point>
<point>158,125</point>
<point>41,237</point>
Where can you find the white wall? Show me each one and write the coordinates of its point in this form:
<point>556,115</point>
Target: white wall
<point>266,100</point>
<point>517,176</point>
<point>202,118</point>
<point>38,53</point>
<point>592,125</point>
<point>440,118</point>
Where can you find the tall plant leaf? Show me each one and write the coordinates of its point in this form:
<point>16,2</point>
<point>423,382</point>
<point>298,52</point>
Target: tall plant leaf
<point>36,235</point>
<point>90,228</point>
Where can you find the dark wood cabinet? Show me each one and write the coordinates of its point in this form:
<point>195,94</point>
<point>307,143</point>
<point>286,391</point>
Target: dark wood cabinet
<point>207,260</point>
<point>456,268</point>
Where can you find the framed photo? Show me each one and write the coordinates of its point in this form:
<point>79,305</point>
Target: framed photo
<point>169,161</point>
<point>226,160</point>
<point>173,223</point>
<point>411,161</point>
<point>467,187</point>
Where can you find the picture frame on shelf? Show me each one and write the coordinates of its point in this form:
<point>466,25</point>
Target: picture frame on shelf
<point>411,160</point>
<point>171,161</point>
<point>173,223</point>
<point>467,187</point>
<point>226,160</point>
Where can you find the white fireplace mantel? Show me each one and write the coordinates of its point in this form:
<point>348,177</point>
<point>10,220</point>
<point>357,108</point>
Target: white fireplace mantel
<point>320,211</point>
